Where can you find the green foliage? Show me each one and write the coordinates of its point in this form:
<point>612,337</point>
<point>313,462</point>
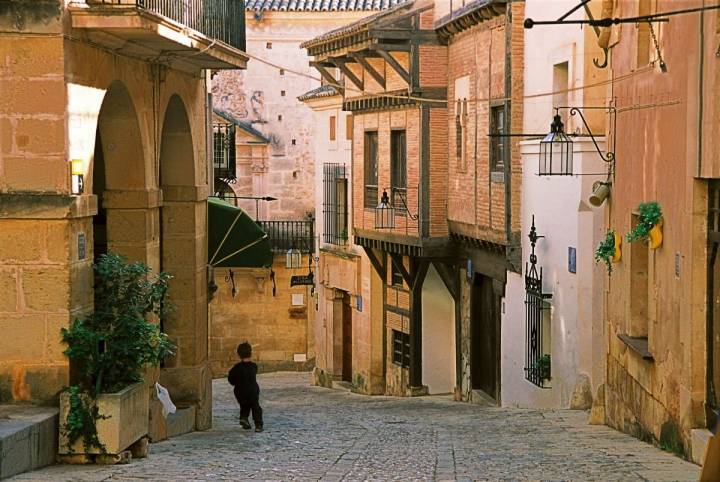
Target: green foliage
<point>649,214</point>
<point>606,250</point>
<point>542,367</point>
<point>111,346</point>
<point>81,420</point>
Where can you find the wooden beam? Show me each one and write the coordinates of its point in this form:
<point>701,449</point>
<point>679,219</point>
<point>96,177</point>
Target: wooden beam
<point>386,47</point>
<point>379,265</point>
<point>340,64</point>
<point>449,275</point>
<point>397,260</point>
<point>320,67</point>
<point>362,60</point>
<point>395,65</point>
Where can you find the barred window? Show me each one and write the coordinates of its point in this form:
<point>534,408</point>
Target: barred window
<point>224,150</point>
<point>401,349</point>
<point>371,169</point>
<point>460,130</point>
<point>335,204</point>
<point>396,277</point>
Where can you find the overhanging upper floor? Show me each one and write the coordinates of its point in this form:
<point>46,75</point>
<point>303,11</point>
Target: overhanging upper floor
<point>189,35</point>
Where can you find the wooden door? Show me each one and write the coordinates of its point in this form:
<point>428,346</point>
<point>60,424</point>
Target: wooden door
<point>484,336</point>
<point>347,339</point>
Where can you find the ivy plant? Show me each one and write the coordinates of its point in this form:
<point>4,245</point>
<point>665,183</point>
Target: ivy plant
<point>606,250</point>
<point>648,216</point>
<point>111,347</point>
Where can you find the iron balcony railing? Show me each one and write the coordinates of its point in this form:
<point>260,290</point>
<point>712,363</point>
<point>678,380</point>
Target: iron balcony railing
<point>223,20</point>
<point>284,235</point>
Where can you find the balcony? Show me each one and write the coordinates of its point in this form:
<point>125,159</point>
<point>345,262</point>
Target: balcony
<point>188,35</point>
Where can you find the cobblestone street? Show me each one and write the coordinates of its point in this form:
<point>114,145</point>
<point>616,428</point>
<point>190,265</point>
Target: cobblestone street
<point>318,434</point>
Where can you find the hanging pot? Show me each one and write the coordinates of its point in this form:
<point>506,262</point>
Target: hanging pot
<point>618,254</point>
<point>655,234</point>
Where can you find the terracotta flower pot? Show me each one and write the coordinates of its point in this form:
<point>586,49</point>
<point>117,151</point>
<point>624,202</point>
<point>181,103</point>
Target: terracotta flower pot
<point>618,253</point>
<point>655,235</point>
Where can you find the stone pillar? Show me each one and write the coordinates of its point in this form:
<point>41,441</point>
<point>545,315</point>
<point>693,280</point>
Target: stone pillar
<point>46,280</point>
<point>184,256</point>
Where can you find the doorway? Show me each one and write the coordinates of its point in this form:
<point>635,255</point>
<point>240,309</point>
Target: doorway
<point>347,337</point>
<point>713,309</point>
<point>485,337</point>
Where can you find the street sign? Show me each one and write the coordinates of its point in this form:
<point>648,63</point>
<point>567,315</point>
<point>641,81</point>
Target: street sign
<point>306,280</point>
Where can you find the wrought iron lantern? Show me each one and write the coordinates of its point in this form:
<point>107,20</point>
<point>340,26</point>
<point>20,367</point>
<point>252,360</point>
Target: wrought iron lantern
<point>556,151</point>
<point>384,213</point>
<point>293,259</point>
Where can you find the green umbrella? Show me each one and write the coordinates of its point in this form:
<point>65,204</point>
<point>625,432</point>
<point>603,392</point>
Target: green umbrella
<point>234,239</point>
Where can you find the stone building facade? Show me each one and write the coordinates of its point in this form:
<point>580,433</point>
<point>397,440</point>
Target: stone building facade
<point>662,323</point>
<point>82,83</point>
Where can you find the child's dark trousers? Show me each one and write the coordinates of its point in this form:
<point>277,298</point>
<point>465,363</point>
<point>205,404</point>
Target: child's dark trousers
<point>247,406</point>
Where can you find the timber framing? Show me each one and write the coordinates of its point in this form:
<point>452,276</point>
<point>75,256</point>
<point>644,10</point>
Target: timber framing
<point>435,247</point>
<point>473,13</point>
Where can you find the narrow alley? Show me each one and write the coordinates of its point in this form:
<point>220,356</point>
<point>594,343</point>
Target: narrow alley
<point>313,433</point>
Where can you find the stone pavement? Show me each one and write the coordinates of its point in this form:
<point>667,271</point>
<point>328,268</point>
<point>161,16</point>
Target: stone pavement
<point>318,434</point>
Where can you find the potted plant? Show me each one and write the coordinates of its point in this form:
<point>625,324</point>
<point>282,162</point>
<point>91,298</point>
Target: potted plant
<point>542,367</point>
<point>608,251</point>
<point>649,226</point>
<point>106,410</point>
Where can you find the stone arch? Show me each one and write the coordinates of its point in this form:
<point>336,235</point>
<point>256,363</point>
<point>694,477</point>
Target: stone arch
<point>127,210</point>
<point>183,222</point>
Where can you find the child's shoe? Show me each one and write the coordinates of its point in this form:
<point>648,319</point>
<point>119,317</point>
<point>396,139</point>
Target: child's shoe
<point>258,428</point>
<point>244,423</point>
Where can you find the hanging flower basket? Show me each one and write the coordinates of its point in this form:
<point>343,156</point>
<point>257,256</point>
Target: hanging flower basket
<point>608,251</point>
<point>649,218</point>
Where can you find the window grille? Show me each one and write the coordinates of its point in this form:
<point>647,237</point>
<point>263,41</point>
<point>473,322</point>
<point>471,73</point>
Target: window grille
<point>335,204</point>
<point>537,363</point>
<point>401,349</point>
<point>460,130</point>
<point>224,151</point>
<point>284,235</point>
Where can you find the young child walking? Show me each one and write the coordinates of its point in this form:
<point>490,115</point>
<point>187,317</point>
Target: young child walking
<point>247,391</point>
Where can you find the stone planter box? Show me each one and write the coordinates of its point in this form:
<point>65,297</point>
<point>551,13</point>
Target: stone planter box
<point>127,423</point>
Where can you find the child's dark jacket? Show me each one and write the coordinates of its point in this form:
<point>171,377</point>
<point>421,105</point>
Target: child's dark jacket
<point>242,377</point>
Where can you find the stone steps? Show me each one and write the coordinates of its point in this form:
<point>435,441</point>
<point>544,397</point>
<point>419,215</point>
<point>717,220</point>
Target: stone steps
<point>28,438</point>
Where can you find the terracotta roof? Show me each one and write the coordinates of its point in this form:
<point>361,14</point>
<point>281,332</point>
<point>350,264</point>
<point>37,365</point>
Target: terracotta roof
<point>246,126</point>
<point>320,5</point>
<point>320,92</point>
<point>363,24</point>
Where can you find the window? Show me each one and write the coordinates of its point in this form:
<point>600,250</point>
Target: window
<point>561,85</point>
<point>335,204</point>
<point>460,130</point>
<point>639,254</point>
<point>282,93</point>
<point>268,45</point>
<point>224,150</point>
<point>401,349</point>
<point>398,169</point>
<point>282,71</point>
<point>349,127</point>
<point>497,143</point>
<point>396,277</point>
<point>333,126</point>
<point>371,169</point>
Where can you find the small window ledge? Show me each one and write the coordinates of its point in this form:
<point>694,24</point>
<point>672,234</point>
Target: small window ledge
<point>638,344</point>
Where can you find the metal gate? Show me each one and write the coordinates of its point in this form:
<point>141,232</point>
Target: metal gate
<point>537,363</point>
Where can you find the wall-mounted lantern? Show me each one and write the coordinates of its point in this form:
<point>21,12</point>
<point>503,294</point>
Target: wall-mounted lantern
<point>77,180</point>
<point>556,151</point>
<point>556,148</point>
<point>293,259</point>
<point>384,213</point>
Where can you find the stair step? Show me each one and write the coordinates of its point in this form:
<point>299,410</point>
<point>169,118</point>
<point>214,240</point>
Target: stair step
<point>28,438</point>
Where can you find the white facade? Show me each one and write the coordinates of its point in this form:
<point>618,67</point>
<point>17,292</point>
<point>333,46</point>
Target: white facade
<point>556,62</point>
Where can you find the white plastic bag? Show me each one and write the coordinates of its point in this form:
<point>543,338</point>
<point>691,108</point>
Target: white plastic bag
<point>164,397</point>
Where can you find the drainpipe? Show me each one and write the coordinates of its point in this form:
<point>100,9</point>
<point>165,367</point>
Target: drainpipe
<point>507,167</point>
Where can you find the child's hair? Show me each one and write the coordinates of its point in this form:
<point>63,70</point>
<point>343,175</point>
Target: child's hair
<point>244,350</point>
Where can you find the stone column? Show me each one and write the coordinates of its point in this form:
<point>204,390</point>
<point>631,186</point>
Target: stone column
<point>184,255</point>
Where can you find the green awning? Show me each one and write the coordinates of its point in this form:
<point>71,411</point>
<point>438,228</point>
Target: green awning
<point>234,239</point>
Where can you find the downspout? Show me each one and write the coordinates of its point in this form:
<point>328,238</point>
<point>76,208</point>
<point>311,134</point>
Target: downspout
<point>701,82</point>
<point>507,166</point>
